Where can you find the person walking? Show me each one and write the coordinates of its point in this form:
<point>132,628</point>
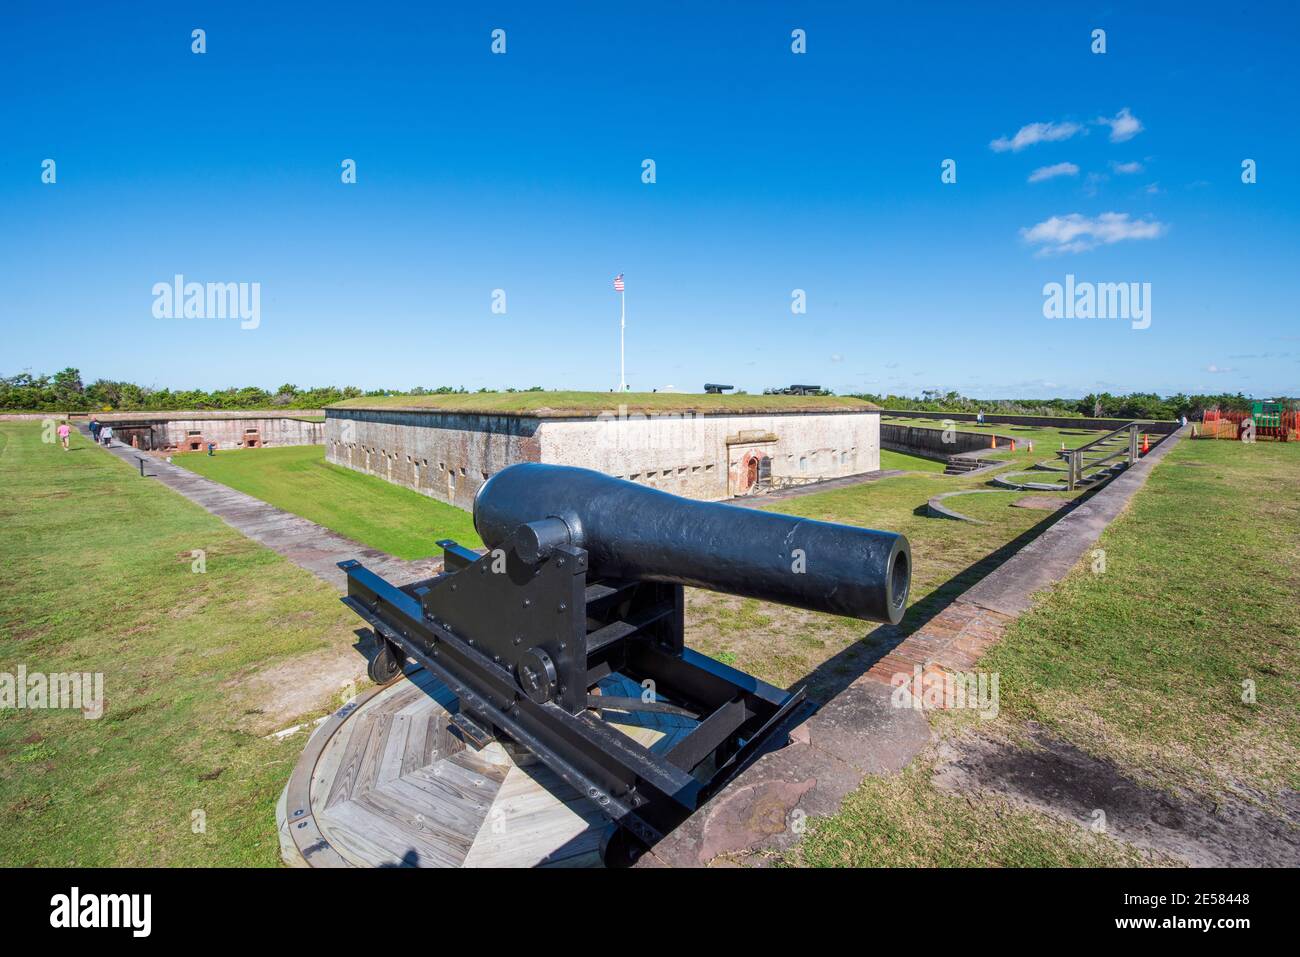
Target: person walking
<point>106,433</point>
<point>94,429</point>
<point>64,431</point>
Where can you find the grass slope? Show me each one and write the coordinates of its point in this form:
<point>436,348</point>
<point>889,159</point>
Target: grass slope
<point>901,460</point>
<point>362,507</point>
<point>560,402</point>
<point>786,646</point>
<point>95,576</point>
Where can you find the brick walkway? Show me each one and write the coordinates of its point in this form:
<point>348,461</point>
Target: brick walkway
<point>304,543</point>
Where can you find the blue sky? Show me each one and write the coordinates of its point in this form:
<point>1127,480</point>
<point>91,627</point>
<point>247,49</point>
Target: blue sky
<point>775,172</point>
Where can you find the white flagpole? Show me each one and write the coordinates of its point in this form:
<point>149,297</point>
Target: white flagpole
<point>622,324</point>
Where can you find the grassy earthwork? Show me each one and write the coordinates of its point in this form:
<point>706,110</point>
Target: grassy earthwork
<point>98,574</point>
<point>563,403</point>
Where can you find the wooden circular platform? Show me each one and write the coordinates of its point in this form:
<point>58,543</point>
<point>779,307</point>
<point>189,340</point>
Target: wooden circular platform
<point>387,781</point>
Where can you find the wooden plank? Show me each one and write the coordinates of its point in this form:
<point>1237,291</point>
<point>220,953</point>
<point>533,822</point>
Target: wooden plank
<point>416,739</point>
<point>528,826</point>
<point>493,767</point>
<point>440,743</point>
<point>371,840</point>
<point>450,781</point>
<point>422,704</point>
<point>446,800</point>
<point>397,697</point>
<point>448,826</point>
<point>329,763</point>
<point>374,754</point>
<point>352,847</point>
<point>438,841</point>
<point>303,826</point>
<point>394,785</point>
<point>390,764</point>
<point>537,778</point>
<point>349,768</point>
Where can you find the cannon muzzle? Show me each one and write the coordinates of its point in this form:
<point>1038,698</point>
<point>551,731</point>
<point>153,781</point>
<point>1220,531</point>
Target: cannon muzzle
<point>643,534</point>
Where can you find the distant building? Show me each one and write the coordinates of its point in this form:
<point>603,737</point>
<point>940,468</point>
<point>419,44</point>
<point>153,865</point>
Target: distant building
<point>703,454</point>
<point>192,431</point>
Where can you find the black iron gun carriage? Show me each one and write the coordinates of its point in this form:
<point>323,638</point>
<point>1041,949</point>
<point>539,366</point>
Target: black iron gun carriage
<point>581,580</point>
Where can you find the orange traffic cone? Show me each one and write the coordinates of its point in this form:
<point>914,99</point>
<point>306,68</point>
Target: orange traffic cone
<point>993,441</point>
<point>1146,444</point>
<point>1013,445</point>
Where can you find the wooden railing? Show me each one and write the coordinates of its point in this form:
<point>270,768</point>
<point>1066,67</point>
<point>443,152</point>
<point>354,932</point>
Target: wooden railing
<point>1078,461</point>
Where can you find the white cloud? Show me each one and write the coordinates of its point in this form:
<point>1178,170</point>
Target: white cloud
<point>1049,172</point>
<point>1126,169</point>
<point>1077,233</point>
<point>1217,369</point>
<point>1123,125</point>
<point>1035,133</point>
<point>1153,189</point>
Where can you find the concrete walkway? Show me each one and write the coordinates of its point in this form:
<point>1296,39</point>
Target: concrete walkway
<point>304,543</point>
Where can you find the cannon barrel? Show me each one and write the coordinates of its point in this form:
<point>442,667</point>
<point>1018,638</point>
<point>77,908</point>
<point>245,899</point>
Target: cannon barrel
<point>643,534</point>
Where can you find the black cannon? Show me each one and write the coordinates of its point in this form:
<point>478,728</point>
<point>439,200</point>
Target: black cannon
<point>581,584</point>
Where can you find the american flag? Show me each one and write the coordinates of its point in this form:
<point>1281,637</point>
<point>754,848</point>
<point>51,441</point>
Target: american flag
<point>618,283</point>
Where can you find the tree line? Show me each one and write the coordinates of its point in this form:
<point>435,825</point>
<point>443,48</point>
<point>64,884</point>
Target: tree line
<point>1135,405</point>
<point>65,392</point>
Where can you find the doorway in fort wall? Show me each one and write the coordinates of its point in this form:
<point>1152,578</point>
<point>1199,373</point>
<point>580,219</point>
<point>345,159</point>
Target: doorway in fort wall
<point>749,462</point>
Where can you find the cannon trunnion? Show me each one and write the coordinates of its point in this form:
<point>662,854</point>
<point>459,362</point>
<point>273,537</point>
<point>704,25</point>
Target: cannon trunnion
<point>524,634</point>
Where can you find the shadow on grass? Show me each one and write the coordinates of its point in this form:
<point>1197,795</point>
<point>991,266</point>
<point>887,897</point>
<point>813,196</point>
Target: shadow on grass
<point>841,670</point>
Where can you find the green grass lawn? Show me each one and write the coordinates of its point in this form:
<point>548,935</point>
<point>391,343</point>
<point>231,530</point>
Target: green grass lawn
<point>901,460</point>
<point>562,402</point>
<point>1142,665</point>
<point>901,820</point>
<point>786,646</point>
<point>1046,441</point>
<point>1201,592</point>
<point>365,508</point>
<point>96,575</point>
